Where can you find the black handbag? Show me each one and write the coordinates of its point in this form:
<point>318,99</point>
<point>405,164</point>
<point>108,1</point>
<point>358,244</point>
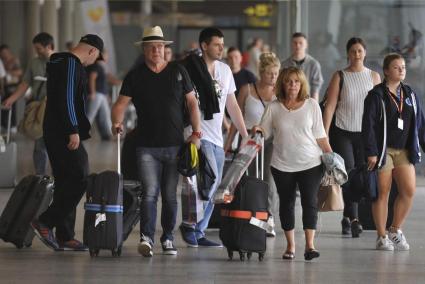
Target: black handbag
<point>205,176</point>
<point>362,183</point>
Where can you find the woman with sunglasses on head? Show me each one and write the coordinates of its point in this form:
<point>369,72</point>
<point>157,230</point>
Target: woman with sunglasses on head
<point>392,140</point>
<point>294,121</point>
<point>347,107</point>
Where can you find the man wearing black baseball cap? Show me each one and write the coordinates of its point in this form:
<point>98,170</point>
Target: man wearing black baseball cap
<point>95,41</point>
<point>65,125</point>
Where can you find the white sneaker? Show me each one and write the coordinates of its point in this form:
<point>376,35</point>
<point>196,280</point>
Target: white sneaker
<point>384,243</point>
<point>271,233</point>
<point>399,240</point>
<point>145,247</point>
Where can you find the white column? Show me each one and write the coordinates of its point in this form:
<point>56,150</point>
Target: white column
<point>145,13</point>
<point>50,19</point>
<point>33,25</point>
<point>66,26</point>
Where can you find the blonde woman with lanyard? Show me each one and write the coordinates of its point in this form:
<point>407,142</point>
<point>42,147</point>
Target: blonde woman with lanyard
<point>392,140</point>
<point>253,99</point>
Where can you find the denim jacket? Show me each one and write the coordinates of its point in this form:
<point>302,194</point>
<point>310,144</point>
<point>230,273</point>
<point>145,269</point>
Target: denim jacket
<point>374,125</point>
<point>335,165</point>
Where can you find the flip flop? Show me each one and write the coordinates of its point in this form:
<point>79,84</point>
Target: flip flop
<point>311,253</point>
<point>288,255</point>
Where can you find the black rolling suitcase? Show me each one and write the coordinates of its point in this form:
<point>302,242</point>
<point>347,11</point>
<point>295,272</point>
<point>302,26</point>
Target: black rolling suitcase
<point>365,210</point>
<point>243,221</point>
<point>132,198</point>
<point>103,218</point>
<point>30,198</point>
<point>129,161</point>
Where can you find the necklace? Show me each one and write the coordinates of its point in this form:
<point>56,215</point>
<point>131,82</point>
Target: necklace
<point>291,107</point>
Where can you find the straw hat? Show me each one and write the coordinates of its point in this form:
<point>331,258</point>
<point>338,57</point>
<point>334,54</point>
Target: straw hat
<point>153,34</point>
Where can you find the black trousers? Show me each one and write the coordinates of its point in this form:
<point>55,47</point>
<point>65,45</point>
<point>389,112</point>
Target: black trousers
<point>308,182</point>
<point>70,170</point>
<point>350,146</point>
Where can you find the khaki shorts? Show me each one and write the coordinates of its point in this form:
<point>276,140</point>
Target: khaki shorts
<point>395,158</point>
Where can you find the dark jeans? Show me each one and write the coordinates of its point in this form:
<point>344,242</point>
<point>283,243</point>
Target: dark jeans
<point>70,169</point>
<point>308,182</point>
<point>158,173</point>
<point>350,146</point>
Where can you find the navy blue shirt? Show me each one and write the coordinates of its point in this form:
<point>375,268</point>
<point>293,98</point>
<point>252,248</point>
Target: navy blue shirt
<point>398,138</point>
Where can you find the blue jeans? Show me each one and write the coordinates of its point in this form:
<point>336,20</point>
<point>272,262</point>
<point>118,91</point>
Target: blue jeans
<point>158,173</point>
<point>215,156</point>
<point>99,109</point>
<point>40,157</point>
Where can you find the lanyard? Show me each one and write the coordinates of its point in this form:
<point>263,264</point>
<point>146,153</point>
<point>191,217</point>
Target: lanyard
<point>399,108</point>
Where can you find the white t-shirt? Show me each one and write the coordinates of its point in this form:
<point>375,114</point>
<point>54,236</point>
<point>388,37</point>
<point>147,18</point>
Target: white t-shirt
<point>294,135</point>
<point>211,129</point>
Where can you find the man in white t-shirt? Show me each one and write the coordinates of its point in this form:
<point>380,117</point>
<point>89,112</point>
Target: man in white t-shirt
<point>213,101</point>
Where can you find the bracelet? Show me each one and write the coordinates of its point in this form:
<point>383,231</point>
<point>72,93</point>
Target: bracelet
<point>197,134</point>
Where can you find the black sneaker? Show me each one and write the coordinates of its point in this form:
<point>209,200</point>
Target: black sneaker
<point>346,226</point>
<point>168,248</point>
<point>356,228</point>
<point>45,234</point>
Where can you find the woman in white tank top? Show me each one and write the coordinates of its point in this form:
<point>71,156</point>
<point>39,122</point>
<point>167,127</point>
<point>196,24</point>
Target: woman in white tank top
<point>347,105</point>
<point>253,99</point>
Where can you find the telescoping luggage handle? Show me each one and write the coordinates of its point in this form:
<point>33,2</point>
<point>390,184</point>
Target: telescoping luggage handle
<point>119,152</point>
<point>261,175</point>
<point>9,122</point>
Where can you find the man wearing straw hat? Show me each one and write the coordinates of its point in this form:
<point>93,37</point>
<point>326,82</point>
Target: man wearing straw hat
<point>158,90</point>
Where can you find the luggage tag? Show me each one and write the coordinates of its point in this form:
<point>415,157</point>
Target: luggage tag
<point>260,224</point>
<point>400,123</point>
<point>100,217</point>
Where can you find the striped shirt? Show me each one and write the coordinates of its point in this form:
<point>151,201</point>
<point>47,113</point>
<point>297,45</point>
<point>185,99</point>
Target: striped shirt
<point>349,112</point>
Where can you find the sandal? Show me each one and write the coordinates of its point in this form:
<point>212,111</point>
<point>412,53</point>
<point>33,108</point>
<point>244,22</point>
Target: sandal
<point>311,253</point>
<point>288,255</point>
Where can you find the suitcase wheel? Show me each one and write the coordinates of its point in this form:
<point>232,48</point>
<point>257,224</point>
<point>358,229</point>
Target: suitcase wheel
<point>20,246</point>
<point>248,255</point>
<point>260,256</point>
<point>116,252</point>
<point>28,245</point>
<point>230,254</point>
<point>242,256</point>
<point>94,252</point>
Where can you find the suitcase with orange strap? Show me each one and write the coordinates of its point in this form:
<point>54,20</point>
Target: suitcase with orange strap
<point>244,220</point>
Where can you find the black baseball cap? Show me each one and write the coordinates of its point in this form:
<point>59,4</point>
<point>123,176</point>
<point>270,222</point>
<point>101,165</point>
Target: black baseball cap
<point>95,41</point>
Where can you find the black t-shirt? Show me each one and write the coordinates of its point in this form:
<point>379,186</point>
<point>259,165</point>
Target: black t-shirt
<point>101,83</point>
<point>397,138</point>
<point>243,77</point>
<point>159,101</point>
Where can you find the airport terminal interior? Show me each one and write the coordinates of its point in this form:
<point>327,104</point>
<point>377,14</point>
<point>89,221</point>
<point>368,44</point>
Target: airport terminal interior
<point>385,25</point>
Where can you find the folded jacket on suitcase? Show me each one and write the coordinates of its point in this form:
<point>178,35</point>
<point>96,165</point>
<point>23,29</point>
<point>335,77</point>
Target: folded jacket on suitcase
<point>237,169</point>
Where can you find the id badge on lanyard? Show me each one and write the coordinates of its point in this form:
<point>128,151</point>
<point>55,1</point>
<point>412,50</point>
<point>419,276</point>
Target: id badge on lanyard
<point>400,122</point>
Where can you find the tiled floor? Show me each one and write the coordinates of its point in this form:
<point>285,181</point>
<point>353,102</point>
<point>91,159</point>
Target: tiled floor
<point>343,259</point>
